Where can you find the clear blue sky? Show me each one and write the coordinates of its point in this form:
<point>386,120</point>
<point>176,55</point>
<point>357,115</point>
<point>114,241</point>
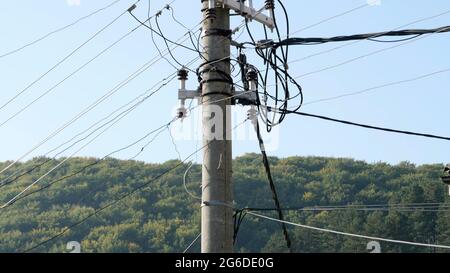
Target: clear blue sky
<point>418,106</point>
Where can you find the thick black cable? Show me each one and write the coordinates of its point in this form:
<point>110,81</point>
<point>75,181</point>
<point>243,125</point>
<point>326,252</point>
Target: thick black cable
<point>365,36</point>
<point>272,186</point>
<point>368,126</point>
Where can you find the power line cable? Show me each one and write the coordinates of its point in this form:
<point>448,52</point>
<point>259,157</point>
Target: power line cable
<point>362,57</point>
<point>359,41</point>
<point>272,185</point>
<point>114,202</point>
<point>437,208</point>
<point>62,60</point>
<point>192,244</point>
<point>346,233</point>
<point>141,98</point>
<point>330,18</point>
<point>87,166</point>
<point>117,119</point>
<point>158,130</point>
<point>114,121</point>
<point>368,126</point>
<point>365,36</point>
<point>67,77</point>
<point>185,177</point>
<point>123,83</point>
<point>12,200</point>
<point>365,90</point>
<point>58,30</point>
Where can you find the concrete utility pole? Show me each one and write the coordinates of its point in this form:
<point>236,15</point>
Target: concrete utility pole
<point>217,185</point>
<point>216,83</point>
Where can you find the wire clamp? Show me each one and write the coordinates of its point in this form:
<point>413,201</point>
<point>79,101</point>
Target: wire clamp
<point>216,203</point>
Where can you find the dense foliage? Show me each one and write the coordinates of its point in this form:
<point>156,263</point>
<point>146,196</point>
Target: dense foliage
<point>164,218</point>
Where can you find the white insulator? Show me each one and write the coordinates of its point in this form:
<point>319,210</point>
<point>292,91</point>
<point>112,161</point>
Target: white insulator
<point>212,4</point>
<point>181,111</point>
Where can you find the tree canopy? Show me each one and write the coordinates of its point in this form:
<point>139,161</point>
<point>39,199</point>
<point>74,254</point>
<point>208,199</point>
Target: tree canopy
<point>162,217</point>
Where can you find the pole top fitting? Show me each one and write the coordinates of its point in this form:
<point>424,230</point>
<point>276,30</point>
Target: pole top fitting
<point>182,74</point>
<point>269,4</point>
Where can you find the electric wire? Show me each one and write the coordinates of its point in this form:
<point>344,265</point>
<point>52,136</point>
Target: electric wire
<point>369,126</point>
<point>141,98</point>
<point>27,106</point>
<point>123,83</point>
<point>272,186</point>
<point>58,30</point>
<point>112,203</point>
<point>87,166</point>
<point>61,61</point>
<point>185,178</point>
<point>330,18</point>
<point>192,244</point>
<point>365,90</point>
<point>359,41</point>
<point>362,57</point>
<point>114,121</point>
<point>388,207</point>
<point>346,233</point>
<point>366,36</point>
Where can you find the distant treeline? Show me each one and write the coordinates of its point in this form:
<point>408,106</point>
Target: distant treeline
<point>164,218</point>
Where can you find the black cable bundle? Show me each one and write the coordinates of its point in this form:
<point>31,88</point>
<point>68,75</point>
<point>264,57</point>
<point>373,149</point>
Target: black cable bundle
<point>275,61</point>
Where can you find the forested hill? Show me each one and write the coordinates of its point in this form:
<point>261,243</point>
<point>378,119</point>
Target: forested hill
<point>164,218</point>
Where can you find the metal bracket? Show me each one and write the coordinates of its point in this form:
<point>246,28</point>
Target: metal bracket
<point>247,10</point>
<point>245,97</point>
<point>184,94</point>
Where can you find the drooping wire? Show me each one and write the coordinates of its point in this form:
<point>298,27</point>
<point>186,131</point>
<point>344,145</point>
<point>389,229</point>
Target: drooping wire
<point>369,126</point>
<point>279,65</point>
<point>346,233</point>
<point>166,40</point>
